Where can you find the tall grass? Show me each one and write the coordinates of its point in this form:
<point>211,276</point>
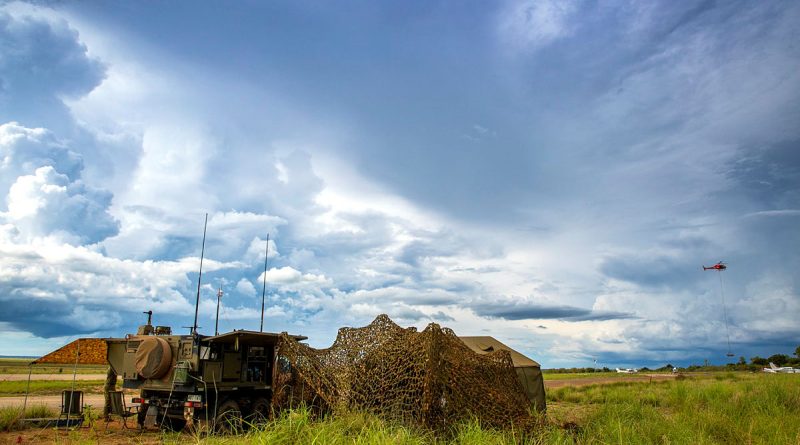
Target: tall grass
<point>10,416</point>
<point>724,409</point>
<point>733,408</point>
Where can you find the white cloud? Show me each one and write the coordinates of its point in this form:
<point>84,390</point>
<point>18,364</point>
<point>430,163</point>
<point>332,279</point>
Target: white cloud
<point>246,288</point>
<point>532,24</point>
<point>289,278</point>
<point>47,203</point>
<point>75,279</point>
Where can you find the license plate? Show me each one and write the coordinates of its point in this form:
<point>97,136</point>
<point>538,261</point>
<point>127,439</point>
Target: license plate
<point>194,398</point>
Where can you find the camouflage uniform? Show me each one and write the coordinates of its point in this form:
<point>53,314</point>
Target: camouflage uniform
<point>111,385</point>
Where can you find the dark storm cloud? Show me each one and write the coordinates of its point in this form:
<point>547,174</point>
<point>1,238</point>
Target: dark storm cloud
<point>535,311</point>
<point>653,272</point>
<point>42,61</point>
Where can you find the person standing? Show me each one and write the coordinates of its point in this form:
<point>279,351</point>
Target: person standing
<point>110,385</point>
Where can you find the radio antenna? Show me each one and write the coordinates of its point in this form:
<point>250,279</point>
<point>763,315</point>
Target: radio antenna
<point>199,277</point>
<point>264,289</point>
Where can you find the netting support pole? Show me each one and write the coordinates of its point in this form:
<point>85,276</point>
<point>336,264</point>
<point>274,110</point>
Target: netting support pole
<point>27,389</point>
<point>74,376</point>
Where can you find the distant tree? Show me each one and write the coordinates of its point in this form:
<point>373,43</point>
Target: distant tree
<point>742,361</point>
<point>758,361</point>
<point>797,352</point>
<point>778,359</point>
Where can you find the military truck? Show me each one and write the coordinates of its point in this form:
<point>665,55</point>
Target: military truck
<point>204,380</point>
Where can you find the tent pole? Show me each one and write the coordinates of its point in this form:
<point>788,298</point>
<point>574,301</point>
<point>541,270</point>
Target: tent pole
<point>74,375</point>
<point>27,389</point>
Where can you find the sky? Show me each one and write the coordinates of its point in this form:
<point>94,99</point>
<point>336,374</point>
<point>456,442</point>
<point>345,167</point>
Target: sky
<point>551,173</point>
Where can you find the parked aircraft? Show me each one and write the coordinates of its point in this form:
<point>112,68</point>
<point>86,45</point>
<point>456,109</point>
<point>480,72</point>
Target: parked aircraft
<point>627,370</point>
<point>782,370</point>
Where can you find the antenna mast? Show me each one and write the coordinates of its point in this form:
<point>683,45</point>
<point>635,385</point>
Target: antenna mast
<point>216,323</point>
<point>199,276</point>
<point>264,289</point>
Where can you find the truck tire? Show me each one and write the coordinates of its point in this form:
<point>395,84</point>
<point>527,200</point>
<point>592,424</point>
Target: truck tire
<point>229,418</point>
<point>153,358</point>
<point>260,412</point>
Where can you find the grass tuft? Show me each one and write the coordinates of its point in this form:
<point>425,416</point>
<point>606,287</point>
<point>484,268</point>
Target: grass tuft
<point>10,416</point>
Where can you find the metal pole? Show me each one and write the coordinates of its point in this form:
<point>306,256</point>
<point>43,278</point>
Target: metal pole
<point>27,389</point>
<point>199,276</point>
<point>216,323</point>
<point>74,375</point>
<point>264,289</point>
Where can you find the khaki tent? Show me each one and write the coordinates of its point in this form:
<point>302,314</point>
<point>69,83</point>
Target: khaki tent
<point>528,371</point>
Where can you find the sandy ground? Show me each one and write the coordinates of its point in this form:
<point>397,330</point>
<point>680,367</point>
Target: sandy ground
<point>24,377</point>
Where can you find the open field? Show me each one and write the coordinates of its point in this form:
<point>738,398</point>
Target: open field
<point>45,387</point>
<point>20,366</point>
<point>716,408</point>
<point>602,378</point>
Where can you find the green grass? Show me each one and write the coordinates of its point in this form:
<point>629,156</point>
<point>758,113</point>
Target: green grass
<point>44,387</point>
<point>10,416</point>
<point>20,366</point>
<point>721,408</point>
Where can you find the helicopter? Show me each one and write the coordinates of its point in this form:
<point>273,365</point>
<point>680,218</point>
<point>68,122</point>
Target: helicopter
<point>719,266</point>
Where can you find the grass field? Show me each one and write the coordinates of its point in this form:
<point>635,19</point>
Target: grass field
<point>724,408</point>
<point>721,408</point>
<point>46,387</point>
<point>582,375</point>
<point>20,366</point>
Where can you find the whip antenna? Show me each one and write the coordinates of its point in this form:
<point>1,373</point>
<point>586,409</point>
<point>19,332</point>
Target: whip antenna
<point>264,289</point>
<point>199,276</point>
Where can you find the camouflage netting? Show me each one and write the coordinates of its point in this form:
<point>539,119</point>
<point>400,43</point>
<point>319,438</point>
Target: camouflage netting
<point>428,378</point>
<point>88,351</point>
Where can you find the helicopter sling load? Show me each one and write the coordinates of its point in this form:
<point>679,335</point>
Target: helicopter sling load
<point>719,267</point>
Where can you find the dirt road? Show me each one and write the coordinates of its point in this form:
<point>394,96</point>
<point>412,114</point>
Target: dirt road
<point>54,402</point>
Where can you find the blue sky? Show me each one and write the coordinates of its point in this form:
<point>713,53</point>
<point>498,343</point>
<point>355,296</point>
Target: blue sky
<point>550,173</point>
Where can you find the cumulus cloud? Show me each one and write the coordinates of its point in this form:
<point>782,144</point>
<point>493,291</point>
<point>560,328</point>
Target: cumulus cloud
<point>53,289</point>
<point>42,61</point>
<point>23,150</point>
<point>47,203</point>
<point>291,279</point>
<point>246,288</point>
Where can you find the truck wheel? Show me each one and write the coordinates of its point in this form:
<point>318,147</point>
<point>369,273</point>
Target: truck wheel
<point>229,418</point>
<point>259,413</point>
<point>173,424</point>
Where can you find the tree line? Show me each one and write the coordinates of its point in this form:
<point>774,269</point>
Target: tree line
<point>756,363</point>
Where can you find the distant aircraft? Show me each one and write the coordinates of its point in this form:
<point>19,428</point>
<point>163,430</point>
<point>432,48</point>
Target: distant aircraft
<point>627,370</point>
<point>781,370</point>
<point>719,266</point>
